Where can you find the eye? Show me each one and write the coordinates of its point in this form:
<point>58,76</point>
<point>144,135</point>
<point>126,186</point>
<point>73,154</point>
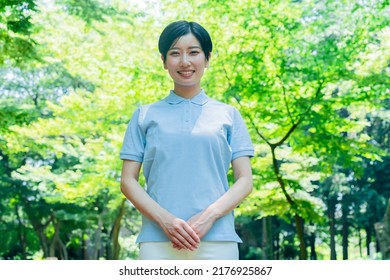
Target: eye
<point>194,52</point>
<point>174,53</point>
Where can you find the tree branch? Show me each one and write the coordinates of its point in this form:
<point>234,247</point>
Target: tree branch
<point>313,101</point>
<point>295,125</point>
<point>244,111</point>
<point>285,100</point>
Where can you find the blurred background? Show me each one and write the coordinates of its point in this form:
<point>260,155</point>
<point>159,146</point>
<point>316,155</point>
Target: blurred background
<point>310,77</point>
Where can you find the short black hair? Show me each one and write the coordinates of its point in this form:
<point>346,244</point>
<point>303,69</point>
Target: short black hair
<point>177,29</point>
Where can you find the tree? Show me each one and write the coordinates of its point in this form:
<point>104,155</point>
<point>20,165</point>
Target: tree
<point>309,78</point>
<point>16,43</point>
<point>70,167</point>
<point>383,232</point>
<point>299,58</point>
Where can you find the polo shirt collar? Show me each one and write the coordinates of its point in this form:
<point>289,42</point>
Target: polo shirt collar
<point>200,99</point>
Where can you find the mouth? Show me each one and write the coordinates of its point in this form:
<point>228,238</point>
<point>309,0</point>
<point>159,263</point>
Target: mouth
<point>186,73</point>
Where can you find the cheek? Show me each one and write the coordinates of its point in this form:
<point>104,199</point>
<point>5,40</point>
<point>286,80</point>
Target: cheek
<point>201,63</point>
<point>170,65</point>
<point>171,72</point>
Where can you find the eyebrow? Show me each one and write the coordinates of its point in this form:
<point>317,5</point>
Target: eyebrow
<point>192,47</point>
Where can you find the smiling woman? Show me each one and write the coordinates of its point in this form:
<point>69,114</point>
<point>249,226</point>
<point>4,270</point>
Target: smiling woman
<point>185,63</point>
<point>186,143</point>
<point>185,49</point>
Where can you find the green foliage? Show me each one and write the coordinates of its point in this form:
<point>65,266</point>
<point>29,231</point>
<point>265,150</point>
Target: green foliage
<point>309,77</point>
<point>15,30</point>
<point>87,10</point>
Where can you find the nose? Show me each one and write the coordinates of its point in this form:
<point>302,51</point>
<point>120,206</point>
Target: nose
<point>184,61</point>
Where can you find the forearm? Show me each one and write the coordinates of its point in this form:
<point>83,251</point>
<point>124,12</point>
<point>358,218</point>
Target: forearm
<point>142,201</point>
<point>177,230</point>
<point>230,200</point>
<point>242,187</point>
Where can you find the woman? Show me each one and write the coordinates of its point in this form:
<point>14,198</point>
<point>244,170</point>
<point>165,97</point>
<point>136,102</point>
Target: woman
<point>186,143</point>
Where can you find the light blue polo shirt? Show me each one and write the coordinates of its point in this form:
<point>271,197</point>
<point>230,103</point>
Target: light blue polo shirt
<point>186,147</point>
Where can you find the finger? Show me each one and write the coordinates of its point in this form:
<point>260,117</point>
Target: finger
<point>181,243</point>
<point>184,239</point>
<point>192,237</point>
<point>175,246</point>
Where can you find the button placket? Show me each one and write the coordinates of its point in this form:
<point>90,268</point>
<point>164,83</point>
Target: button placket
<point>187,115</point>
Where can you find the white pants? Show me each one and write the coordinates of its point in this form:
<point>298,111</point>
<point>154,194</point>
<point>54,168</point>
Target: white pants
<point>206,251</point>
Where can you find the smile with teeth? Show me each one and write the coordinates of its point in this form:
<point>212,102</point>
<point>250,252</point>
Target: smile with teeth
<point>186,73</point>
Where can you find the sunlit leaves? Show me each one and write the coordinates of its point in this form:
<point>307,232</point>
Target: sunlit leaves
<point>320,65</point>
<point>15,27</point>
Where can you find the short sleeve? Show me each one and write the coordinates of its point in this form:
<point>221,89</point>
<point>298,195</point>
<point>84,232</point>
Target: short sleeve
<point>133,145</point>
<point>240,141</point>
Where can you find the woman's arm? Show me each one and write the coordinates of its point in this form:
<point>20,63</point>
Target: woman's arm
<point>242,187</point>
<point>177,230</point>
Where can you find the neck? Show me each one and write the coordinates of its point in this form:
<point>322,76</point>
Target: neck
<point>187,92</point>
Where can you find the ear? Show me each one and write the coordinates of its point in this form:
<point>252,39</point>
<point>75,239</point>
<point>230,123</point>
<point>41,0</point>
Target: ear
<point>208,61</point>
<point>162,59</point>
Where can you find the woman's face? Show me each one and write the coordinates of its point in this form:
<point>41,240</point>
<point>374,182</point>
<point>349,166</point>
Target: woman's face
<point>185,63</point>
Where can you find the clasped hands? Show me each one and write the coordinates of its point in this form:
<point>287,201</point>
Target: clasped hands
<point>187,234</point>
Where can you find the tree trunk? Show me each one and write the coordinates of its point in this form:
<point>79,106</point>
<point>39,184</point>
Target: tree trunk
<point>40,230</point>
<point>368,239</point>
<point>332,227</point>
<point>312,241</point>
<point>114,251</point>
<point>360,243</point>
<point>383,234</point>
<point>298,219</point>
<point>301,236</point>
<point>267,243</point>
<point>345,226</point>
<point>97,239</point>
<point>43,241</point>
<point>277,240</point>
<point>21,232</point>
<point>57,245</point>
